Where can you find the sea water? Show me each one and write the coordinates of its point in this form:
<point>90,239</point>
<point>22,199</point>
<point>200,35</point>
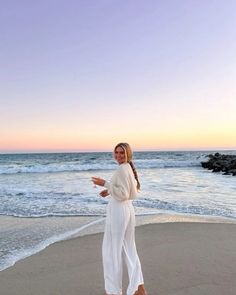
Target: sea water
<point>45,198</point>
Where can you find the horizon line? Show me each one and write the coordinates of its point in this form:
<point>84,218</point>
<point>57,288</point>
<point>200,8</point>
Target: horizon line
<point>110,150</point>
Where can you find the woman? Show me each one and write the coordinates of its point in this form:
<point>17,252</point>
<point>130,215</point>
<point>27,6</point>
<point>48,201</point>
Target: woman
<point>119,238</point>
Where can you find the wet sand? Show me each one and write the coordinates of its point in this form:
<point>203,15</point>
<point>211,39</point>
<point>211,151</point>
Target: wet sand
<point>181,258</point>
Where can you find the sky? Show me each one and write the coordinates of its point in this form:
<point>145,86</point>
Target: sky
<point>85,75</point>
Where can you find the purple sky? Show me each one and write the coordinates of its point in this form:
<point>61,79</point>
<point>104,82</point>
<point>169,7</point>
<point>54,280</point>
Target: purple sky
<point>64,64</point>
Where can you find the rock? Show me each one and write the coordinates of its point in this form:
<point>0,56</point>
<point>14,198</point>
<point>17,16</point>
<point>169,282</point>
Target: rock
<point>221,163</point>
<point>226,173</point>
<point>232,171</point>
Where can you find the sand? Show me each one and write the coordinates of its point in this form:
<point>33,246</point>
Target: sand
<point>177,259</point>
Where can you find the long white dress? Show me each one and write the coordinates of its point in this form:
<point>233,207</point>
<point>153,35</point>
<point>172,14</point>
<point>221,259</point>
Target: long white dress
<point>119,235</point>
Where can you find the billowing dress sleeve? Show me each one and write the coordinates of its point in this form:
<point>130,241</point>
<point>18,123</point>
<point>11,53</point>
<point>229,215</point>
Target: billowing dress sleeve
<point>122,184</point>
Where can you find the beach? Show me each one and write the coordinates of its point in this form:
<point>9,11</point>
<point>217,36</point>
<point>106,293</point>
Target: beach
<point>178,258</point>
<point>112,110</point>
<point>52,219</point>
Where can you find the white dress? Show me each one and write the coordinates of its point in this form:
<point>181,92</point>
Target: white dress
<point>119,235</point>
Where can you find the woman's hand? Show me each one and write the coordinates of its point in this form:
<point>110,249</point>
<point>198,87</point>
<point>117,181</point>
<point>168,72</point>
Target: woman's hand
<point>104,193</point>
<point>98,181</point>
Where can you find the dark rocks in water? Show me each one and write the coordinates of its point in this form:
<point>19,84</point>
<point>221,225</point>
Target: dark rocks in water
<point>221,163</point>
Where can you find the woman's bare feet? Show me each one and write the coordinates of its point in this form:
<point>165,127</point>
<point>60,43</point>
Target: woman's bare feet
<point>141,290</point>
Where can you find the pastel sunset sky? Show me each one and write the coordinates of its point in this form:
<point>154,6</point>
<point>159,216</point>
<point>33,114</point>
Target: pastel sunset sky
<point>84,75</point>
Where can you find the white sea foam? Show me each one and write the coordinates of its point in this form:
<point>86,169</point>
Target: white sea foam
<point>13,256</point>
<point>58,163</point>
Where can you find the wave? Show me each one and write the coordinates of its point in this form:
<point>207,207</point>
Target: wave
<point>65,167</point>
<point>145,205</point>
<point>39,168</point>
<point>184,208</point>
<point>49,204</point>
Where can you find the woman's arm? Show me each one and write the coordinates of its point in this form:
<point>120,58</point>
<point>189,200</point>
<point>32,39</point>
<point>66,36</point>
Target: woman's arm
<point>119,188</point>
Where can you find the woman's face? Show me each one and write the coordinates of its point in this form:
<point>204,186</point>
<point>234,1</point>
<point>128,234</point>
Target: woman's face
<point>119,155</point>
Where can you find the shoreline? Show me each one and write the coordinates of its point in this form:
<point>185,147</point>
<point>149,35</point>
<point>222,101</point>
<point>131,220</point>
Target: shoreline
<point>95,226</point>
<point>178,258</point>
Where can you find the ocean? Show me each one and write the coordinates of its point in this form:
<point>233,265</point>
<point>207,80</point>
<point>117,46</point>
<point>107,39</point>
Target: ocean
<point>46,198</point>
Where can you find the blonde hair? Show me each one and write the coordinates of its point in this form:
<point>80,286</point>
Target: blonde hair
<point>128,158</point>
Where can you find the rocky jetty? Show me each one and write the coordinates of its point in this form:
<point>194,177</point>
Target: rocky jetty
<point>221,163</point>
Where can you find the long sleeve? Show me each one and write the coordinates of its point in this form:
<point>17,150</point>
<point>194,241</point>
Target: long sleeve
<point>123,185</point>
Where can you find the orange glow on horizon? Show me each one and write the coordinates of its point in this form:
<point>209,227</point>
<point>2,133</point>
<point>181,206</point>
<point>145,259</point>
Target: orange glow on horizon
<point>51,143</point>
